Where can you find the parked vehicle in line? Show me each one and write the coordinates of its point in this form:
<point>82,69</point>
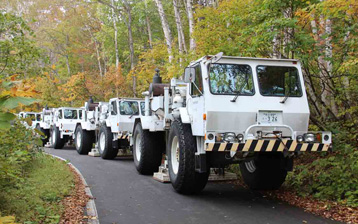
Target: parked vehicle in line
<point>116,125</point>
<point>85,132</point>
<point>227,110</point>
<point>65,121</point>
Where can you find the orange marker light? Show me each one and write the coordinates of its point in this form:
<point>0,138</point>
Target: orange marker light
<point>204,117</point>
<point>205,136</point>
<point>117,124</point>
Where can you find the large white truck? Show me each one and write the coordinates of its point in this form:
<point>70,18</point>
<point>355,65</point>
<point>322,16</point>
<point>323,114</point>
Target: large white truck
<point>227,110</point>
<point>64,125</point>
<point>85,132</point>
<point>117,125</point>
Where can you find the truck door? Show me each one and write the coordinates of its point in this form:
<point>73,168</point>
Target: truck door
<point>128,112</point>
<point>196,103</point>
<point>113,116</point>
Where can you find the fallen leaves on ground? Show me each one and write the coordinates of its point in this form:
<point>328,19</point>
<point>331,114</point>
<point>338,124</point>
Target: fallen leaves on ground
<point>328,209</point>
<point>75,203</point>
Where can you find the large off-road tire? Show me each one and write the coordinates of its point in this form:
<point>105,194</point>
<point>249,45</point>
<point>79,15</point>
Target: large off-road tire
<point>264,172</point>
<point>57,142</point>
<point>181,160</point>
<point>83,141</point>
<point>148,148</point>
<point>46,133</point>
<point>105,146</point>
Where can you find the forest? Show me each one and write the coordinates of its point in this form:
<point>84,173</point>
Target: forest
<point>61,52</point>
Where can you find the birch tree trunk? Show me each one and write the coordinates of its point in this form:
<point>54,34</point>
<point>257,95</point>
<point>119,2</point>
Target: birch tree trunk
<point>114,18</point>
<point>147,21</point>
<point>130,42</point>
<point>166,29</point>
<point>189,7</point>
<point>181,37</point>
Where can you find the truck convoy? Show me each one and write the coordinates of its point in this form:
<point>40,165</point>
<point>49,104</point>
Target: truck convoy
<point>226,110</point>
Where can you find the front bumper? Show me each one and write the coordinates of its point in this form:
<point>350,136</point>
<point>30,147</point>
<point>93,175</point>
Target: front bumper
<point>272,145</point>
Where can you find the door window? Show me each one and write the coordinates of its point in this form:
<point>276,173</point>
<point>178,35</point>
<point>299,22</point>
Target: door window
<point>114,110</point>
<point>197,85</point>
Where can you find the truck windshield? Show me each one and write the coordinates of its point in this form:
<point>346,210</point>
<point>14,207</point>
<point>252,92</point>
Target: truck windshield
<point>31,116</point>
<point>70,114</point>
<point>231,79</point>
<point>279,81</point>
<point>129,108</point>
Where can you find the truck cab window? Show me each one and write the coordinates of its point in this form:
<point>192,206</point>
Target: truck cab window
<point>80,114</point>
<point>60,114</point>
<point>197,86</point>
<point>129,108</point>
<point>114,110</point>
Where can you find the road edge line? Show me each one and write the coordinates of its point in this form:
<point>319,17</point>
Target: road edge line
<point>90,206</point>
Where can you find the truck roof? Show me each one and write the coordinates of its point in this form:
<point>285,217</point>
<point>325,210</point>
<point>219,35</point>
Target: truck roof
<point>208,57</point>
<point>128,98</point>
<point>72,108</point>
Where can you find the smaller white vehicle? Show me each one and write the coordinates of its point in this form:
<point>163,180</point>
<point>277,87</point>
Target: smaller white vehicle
<point>65,122</point>
<point>85,133</point>
<point>117,125</point>
<point>35,118</point>
<point>45,124</point>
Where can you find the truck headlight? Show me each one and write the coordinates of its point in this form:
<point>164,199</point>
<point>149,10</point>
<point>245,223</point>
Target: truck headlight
<point>299,138</point>
<point>240,137</point>
<point>309,137</point>
<point>229,137</point>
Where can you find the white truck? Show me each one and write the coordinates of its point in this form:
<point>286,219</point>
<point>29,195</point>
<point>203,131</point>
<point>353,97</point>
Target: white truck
<point>117,124</point>
<point>46,123</point>
<point>227,110</point>
<point>64,125</point>
<point>34,116</point>
<point>85,133</point>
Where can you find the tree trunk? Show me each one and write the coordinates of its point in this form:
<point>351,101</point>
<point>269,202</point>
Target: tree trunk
<point>130,42</point>
<point>189,7</point>
<point>166,29</point>
<point>181,37</point>
<point>149,30</point>
<point>114,18</point>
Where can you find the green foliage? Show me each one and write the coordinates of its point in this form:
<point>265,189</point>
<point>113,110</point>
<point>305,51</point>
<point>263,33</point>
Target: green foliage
<point>334,177</point>
<point>18,145</point>
<point>18,53</point>
<point>45,182</point>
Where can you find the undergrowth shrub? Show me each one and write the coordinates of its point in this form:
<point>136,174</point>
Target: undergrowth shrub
<point>18,145</point>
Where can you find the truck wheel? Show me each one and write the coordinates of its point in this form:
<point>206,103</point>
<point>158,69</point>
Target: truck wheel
<point>181,160</point>
<point>45,138</point>
<point>57,142</point>
<point>264,172</point>
<point>105,143</point>
<point>83,141</point>
<point>148,148</point>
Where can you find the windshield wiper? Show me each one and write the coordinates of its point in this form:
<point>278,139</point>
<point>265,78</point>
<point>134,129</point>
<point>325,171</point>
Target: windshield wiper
<point>286,97</point>
<point>236,96</point>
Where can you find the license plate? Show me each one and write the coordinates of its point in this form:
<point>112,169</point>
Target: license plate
<point>270,117</point>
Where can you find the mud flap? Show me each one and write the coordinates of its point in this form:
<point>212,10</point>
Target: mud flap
<point>200,163</point>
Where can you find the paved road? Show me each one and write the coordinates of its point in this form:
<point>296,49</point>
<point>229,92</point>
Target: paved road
<point>125,197</point>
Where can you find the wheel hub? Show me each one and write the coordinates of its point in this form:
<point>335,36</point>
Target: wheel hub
<point>138,145</point>
<point>78,139</point>
<point>175,155</point>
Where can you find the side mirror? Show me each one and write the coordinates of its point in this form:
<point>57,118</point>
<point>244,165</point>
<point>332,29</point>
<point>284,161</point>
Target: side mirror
<point>189,75</point>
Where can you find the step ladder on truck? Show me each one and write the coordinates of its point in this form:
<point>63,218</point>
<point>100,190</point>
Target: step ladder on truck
<point>227,110</point>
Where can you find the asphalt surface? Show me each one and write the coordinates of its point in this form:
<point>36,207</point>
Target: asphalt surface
<point>123,196</point>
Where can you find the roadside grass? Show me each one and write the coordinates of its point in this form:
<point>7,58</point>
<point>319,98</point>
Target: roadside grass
<point>36,198</point>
